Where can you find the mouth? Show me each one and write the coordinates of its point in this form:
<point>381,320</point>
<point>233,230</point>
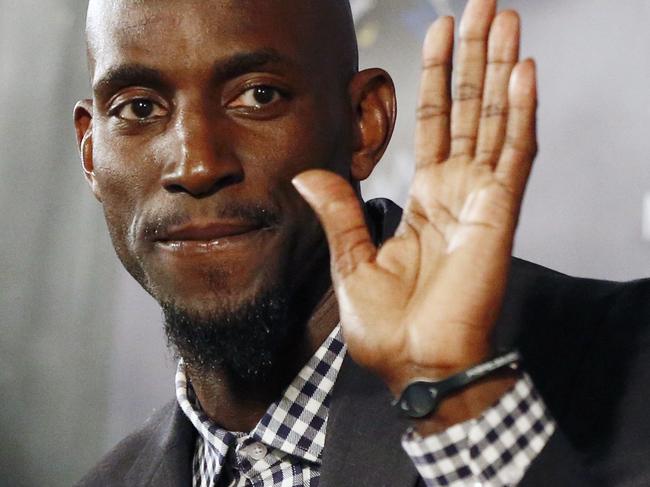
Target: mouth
<point>205,237</point>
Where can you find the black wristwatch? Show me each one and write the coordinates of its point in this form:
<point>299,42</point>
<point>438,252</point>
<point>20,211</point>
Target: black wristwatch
<point>421,397</point>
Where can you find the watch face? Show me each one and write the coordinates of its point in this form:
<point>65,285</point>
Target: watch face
<point>419,400</point>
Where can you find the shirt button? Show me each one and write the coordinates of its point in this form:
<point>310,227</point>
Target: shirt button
<point>257,451</point>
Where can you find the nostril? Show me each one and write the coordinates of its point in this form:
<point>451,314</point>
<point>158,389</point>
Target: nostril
<point>201,185</point>
<point>175,188</point>
<point>231,179</point>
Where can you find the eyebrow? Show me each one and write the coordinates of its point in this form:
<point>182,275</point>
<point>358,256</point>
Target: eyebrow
<point>129,75</point>
<point>246,62</point>
<point>236,65</point>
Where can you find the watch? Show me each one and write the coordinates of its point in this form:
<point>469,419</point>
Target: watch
<point>421,397</point>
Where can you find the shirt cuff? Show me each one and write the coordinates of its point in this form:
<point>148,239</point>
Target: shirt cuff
<point>494,449</point>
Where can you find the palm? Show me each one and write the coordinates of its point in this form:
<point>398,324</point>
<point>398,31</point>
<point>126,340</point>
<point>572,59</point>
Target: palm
<point>428,298</point>
<point>437,281</point>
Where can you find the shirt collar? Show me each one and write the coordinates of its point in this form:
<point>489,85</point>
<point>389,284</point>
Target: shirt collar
<point>295,424</point>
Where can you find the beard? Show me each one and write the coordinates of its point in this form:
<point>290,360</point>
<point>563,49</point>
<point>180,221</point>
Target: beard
<point>245,341</point>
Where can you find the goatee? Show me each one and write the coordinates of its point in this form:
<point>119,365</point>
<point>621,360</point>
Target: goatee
<point>246,342</point>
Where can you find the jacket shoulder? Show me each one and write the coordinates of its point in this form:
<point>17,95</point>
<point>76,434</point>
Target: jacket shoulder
<point>116,466</point>
<point>542,301</point>
<point>586,343</point>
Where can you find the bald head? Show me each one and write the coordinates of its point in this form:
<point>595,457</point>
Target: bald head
<point>323,28</point>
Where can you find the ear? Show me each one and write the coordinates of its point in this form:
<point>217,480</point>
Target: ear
<point>372,93</point>
<point>83,123</point>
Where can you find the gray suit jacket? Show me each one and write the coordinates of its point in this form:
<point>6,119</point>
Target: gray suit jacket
<point>586,344</point>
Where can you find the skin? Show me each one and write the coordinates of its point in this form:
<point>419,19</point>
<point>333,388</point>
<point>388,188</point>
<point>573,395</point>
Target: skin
<point>423,305</point>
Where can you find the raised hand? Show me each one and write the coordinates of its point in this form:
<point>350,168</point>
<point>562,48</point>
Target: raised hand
<point>425,303</point>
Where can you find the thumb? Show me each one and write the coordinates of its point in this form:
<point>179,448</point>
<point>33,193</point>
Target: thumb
<point>339,210</point>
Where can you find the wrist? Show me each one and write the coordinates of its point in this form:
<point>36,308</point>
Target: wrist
<point>401,377</point>
<point>469,403</point>
<point>461,395</point>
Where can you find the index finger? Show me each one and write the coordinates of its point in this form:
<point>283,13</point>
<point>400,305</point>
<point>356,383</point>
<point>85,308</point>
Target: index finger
<point>432,130</point>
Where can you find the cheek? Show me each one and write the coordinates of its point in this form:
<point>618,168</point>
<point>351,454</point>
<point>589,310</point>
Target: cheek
<point>122,185</point>
<point>309,137</point>
<point>273,152</point>
<point>119,208</point>
<point>126,168</point>
<point>271,157</point>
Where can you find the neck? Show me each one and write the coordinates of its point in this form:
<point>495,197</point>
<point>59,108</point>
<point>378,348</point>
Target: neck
<point>239,407</point>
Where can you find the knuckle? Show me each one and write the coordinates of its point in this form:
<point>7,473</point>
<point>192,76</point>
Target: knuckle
<point>461,152</point>
<point>524,149</point>
<point>507,63</point>
<point>432,110</point>
<point>487,155</point>
<point>472,36</point>
<point>358,246</point>
<point>435,63</point>
<point>464,138</point>
<point>494,110</point>
<point>467,91</point>
<point>354,231</point>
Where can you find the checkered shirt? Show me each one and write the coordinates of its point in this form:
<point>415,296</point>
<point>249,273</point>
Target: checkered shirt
<point>285,448</point>
<point>494,450</point>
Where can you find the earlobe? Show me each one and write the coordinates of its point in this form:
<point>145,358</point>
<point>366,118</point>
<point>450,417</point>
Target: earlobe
<point>83,121</point>
<point>373,96</point>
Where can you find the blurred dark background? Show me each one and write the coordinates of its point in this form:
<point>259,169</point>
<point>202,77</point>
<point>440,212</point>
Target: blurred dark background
<point>82,356</point>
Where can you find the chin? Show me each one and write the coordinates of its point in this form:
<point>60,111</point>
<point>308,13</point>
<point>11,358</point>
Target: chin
<point>211,288</point>
<point>243,335</point>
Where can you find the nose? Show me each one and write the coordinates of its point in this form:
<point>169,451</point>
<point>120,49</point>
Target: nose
<point>202,162</point>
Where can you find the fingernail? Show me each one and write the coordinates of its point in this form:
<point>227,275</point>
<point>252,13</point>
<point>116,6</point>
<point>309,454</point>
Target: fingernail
<point>298,184</point>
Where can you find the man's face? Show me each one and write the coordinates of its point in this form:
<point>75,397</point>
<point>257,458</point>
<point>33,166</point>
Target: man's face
<point>203,111</point>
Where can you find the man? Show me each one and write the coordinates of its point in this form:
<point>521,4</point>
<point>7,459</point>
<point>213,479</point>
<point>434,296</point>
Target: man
<point>203,114</point>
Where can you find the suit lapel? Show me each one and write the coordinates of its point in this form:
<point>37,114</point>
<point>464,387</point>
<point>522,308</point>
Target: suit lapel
<point>363,442</point>
<point>166,459</point>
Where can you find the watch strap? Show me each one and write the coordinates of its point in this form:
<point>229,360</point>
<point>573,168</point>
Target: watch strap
<point>421,397</point>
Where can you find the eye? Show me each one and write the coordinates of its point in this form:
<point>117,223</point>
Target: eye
<point>140,109</point>
<point>256,97</point>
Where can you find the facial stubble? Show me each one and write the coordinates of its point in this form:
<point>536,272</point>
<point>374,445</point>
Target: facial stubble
<point>245,341</point>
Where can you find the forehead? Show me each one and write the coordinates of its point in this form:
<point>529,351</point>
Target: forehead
<point>188,34</point>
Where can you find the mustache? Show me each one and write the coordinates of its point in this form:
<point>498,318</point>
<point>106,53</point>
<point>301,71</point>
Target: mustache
<point>249,214</point>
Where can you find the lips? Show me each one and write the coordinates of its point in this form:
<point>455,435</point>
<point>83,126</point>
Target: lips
<point>205,232</point>
<point>205,236</point>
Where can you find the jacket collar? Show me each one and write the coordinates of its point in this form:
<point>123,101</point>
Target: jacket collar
<point>363,442</point>
<point>166,458</point>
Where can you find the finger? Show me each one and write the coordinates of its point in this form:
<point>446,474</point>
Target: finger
<point>339,210</point>
<point>520,145</point>
<point>433,113</point>
<point>503,54</point>
<point>469,72</point>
